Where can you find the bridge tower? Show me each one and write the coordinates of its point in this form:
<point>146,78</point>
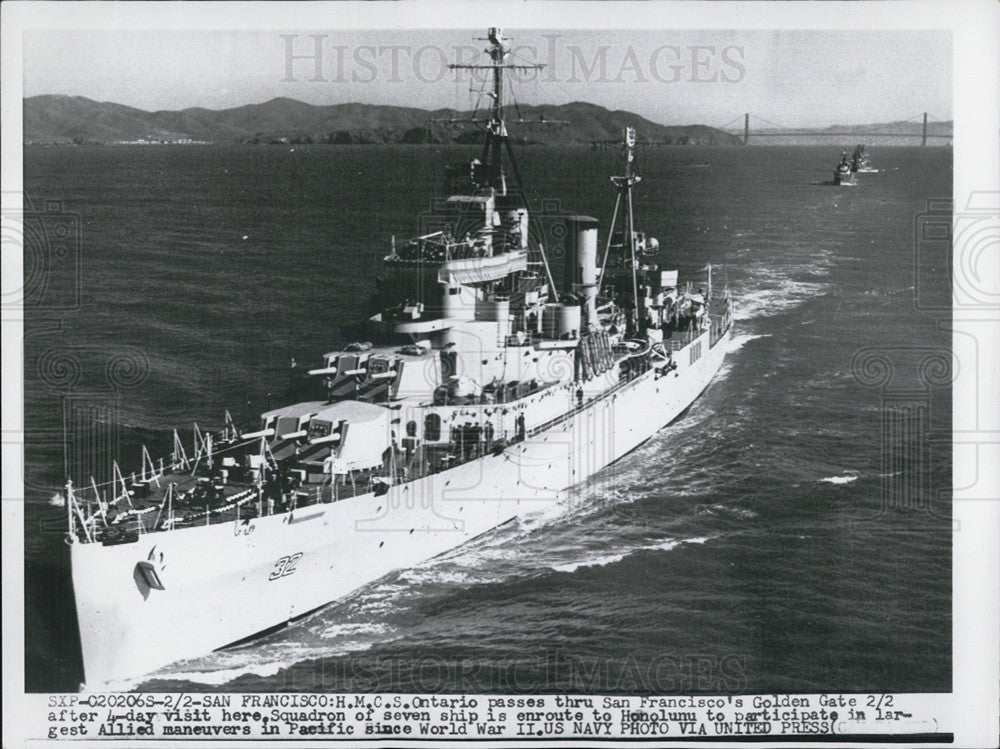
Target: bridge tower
<point>746,129</point>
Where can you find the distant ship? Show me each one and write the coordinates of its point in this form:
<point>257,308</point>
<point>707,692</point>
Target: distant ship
<point>860,162</point>
<point>843,174</point>
<point>480,389</point>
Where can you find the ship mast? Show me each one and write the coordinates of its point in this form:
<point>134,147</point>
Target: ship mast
<point>497,140</point>
<point>497,130</point>
<point>624,184</point>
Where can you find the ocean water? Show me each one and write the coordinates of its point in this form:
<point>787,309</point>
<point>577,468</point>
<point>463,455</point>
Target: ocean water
<point>790,533</point>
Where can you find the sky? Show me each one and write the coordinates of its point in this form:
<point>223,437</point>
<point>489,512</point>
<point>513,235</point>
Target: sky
<point>793,78</point>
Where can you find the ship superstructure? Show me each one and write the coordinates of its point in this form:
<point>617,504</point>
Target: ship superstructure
<point>844,174</point>
<point>860,161</point>
<point>485,383</point>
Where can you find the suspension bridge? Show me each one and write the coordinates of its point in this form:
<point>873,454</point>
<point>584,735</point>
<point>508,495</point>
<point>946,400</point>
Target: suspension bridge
<point>756,129</point>
<point>774,130</point>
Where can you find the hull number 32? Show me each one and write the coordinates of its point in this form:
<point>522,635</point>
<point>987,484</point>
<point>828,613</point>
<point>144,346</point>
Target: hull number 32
<point>285,566</point>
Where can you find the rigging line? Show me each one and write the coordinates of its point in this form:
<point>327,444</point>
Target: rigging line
<point>475,97</point>
<point>517,172</point>
<point>517,107</point>
<point>524,201</point>
<point>478,97</point>
<point>214,452</point>
<point>524,191</point>
<point>607,249</point>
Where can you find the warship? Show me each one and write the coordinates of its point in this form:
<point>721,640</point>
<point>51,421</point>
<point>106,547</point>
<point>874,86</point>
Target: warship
<point>844,175</point>
<point>479,389</point>
<point>860,161</point>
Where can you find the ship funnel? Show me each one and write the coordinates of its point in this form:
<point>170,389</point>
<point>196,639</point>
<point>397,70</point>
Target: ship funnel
<point>580,269</point>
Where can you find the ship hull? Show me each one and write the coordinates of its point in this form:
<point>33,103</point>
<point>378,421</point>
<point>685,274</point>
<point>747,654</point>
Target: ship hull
<point>183,593</point>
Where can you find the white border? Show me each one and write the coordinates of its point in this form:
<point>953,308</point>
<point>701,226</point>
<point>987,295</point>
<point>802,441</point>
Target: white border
<point>976,28</point>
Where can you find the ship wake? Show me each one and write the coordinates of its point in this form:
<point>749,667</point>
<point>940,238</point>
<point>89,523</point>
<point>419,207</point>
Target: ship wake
<point>780,295</point>
<point>603,560</point>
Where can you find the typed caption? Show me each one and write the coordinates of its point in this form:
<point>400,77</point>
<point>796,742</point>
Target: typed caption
<point>299,716</point>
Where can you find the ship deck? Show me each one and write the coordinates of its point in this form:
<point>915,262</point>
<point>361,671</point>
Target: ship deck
<point>180,496</point>
<point>178,499</point>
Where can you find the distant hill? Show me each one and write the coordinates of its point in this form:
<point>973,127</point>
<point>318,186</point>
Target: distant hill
<point>67,119</point>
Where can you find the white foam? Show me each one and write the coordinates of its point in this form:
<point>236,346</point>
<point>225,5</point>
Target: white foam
<point>265,659</point>
<point>605,559</point>
<point>212,677</point>
<point>739,341</point>
<point>839,479</point>
<point>600,561</point>
<point>670,543</point>
<point>438,575</point>
<point>765,301</point>
<point>737,511</point>
<point>226,675</point>
<point>352,630</point>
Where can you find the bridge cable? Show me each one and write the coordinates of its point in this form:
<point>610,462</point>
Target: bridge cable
<point>768,122</point>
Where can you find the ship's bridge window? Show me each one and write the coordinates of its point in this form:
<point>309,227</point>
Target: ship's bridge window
<point>432,427</point>
<point>319,428</point>
<point>378,365</point>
